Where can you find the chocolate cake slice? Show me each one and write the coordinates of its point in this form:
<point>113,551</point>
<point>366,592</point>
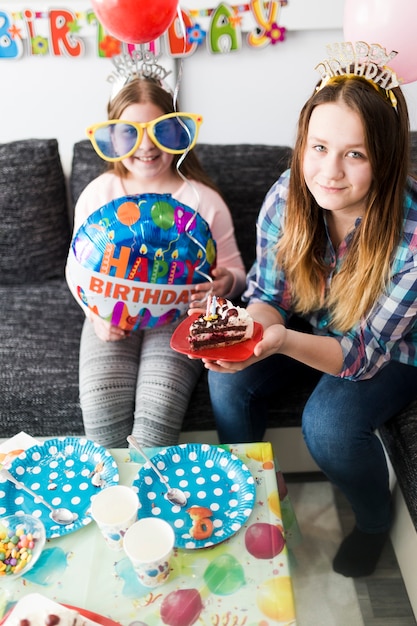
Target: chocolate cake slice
<point>223,324</point>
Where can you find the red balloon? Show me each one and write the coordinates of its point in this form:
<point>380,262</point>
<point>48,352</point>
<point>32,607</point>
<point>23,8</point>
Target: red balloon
<point>135,21</point>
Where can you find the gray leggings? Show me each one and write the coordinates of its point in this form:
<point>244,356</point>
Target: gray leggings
<point>136,385</point>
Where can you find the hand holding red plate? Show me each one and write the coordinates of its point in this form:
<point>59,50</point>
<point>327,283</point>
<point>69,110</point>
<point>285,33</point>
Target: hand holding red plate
<point>234,353</point>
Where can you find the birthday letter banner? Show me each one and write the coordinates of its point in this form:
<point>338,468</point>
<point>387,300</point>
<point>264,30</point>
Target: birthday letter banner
<point>61,32</point>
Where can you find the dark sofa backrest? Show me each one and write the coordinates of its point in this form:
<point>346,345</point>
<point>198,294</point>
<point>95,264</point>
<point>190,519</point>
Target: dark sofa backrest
<point>86,165</point>
<point>35,230</point>
<point>243,173</point>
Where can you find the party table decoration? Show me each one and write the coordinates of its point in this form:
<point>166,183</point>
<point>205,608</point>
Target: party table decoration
<point>243,580</point>
<point>220,490</point>
<point>62,470</point>
<point>135,261</point>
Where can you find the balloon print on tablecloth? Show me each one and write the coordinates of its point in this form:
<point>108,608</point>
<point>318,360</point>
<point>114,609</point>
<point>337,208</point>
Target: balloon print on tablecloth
<point>224,575</point>
<point>50,567</point>
<point>181,607</point>
<point>135,261</point>
<point>275,599</point>
<point>264,540</point>
<point>257,452</point>
<point>141,21</point>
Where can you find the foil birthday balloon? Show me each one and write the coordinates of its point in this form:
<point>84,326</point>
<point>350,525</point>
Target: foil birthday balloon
<point>135,261</point>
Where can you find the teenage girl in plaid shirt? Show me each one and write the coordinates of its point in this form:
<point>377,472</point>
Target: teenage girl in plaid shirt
<point>337,245</point>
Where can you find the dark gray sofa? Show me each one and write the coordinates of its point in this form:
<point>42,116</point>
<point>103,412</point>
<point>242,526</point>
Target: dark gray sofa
<point>41,322</point>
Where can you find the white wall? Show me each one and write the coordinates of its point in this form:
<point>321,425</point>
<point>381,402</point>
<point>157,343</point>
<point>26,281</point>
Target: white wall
<point>248,95</point>
<point>254,96</point>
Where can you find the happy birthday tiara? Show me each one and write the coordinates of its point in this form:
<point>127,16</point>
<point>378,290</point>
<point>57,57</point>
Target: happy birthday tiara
<point>360,59</point>
<point>137,64</point>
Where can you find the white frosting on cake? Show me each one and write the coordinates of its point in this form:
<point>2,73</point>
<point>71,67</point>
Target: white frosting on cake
<point>222,324</point>
<point>221,308</point>
<point>37,610</point>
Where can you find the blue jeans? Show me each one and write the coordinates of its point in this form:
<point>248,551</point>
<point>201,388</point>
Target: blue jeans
<point>338,423</point>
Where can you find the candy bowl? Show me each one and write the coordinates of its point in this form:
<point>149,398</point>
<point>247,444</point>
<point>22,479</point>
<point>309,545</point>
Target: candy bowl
<point>22,539</point>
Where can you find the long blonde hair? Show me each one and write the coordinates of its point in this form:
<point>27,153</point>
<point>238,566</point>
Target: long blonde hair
<point>365,270</point>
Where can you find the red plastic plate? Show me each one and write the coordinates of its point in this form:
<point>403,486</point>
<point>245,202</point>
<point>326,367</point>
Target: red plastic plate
<point>235,352</point>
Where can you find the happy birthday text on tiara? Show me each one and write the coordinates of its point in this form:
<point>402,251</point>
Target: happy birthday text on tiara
<point>362,59</point>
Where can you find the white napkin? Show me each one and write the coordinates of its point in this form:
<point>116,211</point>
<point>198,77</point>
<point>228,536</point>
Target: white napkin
<point>37,607</point>
<point>11,448</point>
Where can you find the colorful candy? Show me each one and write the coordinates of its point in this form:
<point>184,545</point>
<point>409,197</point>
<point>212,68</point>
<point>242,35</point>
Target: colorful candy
<point>16,549</point>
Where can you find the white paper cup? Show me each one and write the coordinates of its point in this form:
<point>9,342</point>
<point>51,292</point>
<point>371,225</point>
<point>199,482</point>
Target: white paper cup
<point>114,510</point>
<point>149,544</point>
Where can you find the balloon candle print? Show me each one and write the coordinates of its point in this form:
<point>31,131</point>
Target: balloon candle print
<point>135,261</point>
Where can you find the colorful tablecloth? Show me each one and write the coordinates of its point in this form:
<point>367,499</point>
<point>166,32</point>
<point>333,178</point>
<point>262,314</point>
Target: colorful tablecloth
<point>243,581</point>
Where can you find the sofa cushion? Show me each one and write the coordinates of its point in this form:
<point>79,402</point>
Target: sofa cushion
<point>244,173</point>
<point>35,231</point>
<point>39,346</point>
<point>86,165</point>
<point>399,436</point>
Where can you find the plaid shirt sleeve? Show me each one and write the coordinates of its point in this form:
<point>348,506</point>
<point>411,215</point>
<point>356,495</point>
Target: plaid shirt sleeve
<point>389,332</point>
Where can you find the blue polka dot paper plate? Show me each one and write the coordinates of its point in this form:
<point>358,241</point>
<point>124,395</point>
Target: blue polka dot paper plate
<point>65,471</point>
<point>220,490</point>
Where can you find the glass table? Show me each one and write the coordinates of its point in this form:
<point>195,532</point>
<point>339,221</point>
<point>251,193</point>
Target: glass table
<point>243,581</point>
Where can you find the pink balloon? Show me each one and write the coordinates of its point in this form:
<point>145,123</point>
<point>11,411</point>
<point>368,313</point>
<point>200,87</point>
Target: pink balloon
<point>392,24</point>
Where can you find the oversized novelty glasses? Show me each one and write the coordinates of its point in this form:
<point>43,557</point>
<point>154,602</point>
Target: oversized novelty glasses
<point>115,140</point>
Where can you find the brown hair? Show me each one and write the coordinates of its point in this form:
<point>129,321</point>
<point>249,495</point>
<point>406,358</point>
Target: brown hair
<point>366,268</point>
<point>142,90</point>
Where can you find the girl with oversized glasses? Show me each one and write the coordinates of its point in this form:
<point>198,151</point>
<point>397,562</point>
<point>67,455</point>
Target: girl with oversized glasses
<point>135,383</point>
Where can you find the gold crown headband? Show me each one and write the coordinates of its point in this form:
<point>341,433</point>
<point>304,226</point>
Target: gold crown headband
<point>360,59</point>
<point>138,64</point>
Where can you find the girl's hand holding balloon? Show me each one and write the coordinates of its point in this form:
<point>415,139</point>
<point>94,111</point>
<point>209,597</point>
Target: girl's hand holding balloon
<point>221,286</point>
<point>107,331</point>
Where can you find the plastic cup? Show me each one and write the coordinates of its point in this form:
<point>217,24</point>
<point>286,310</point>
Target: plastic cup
<point>114,510</point>
<point>149,544</point>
